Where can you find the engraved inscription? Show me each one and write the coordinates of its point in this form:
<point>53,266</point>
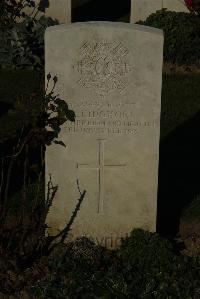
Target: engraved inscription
<point>108,118</point>
<point>103,66</point>
<point>100,167</point>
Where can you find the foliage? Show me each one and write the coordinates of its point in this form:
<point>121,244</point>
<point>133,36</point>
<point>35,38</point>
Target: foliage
<point>182,35</point>
<point>22,35</point>
<point>32,114</point>
<point>145,266</point>
<point>30,126</point>
<point>10,10</point>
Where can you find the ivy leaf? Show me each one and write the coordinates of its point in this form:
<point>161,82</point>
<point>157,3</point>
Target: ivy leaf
<point>70,115</point>
<point>50,136</point>
<point>59,142</point>
<point>62,121</point>
<point>61,115</point>
<point>58,101</point>
<point>62,105</point>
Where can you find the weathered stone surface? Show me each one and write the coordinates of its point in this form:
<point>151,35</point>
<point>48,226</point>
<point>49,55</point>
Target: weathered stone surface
<point>110,75</point>
<point>175,5</point>
<point>58,9</point>
<point>141,9</point>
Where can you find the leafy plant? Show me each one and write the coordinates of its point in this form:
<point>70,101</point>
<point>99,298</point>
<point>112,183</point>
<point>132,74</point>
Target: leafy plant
<point>32,124</point>
<point>146,266</point>
<point>10,10</point>
<point>22,34</point>
<point>32,114</point>
<point>182,35</point>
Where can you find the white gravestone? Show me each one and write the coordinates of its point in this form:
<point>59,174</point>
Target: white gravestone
<point>59,10</point>
<point>110,75</point>
<point>141,9</point>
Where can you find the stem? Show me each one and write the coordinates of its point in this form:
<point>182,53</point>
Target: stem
<point>54,84</point>
<point>47,86</point>
<point>39,178</point>
<point>33,11</point>
<point>74,214</point>
<point>10,167</point>
<point>30,135</point>
<point>18,144</point>
<point>63,234</point>
<point>2,179</point>
<point>24,184</point>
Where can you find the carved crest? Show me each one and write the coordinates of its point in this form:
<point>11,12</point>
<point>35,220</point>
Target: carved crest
<point>103,66</point>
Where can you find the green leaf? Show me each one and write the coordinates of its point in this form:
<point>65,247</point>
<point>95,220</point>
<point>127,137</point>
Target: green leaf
<point>71,115</point>
<point>61,114</point>
<point>59,142</point>
<point>62,105</point>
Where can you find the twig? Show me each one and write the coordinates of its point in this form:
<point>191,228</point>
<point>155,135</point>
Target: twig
<point>35,15</point>
<point>39,178</point>
<point>74,214</point>
<point>54,84</point>
<point>30,135</point>
<point>47,86</point>
<point>77,182</point>
<point>2,178</point>
<point>63,234</point>
<point>23,204</point>
<point>50,195</point>
<point>13,158</point>
<point>10,167</point>
<point>19,140</point>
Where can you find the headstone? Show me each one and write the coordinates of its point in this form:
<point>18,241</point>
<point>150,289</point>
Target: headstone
<point>141,9</point>
<point>175,5</point>
<point>110,75</point>
<point>59,10</point>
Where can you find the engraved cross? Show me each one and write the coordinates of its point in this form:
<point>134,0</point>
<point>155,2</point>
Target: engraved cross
<point>100,167</point>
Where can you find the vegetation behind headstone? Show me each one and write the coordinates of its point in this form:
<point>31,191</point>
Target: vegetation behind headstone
<point>22,35</point>
<point>182,35</point>
<point>31,125</point>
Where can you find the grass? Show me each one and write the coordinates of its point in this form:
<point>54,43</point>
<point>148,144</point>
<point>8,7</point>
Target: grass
<point>180,94</point>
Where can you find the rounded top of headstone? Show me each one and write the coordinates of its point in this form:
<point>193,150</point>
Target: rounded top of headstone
<point>105,24</point>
